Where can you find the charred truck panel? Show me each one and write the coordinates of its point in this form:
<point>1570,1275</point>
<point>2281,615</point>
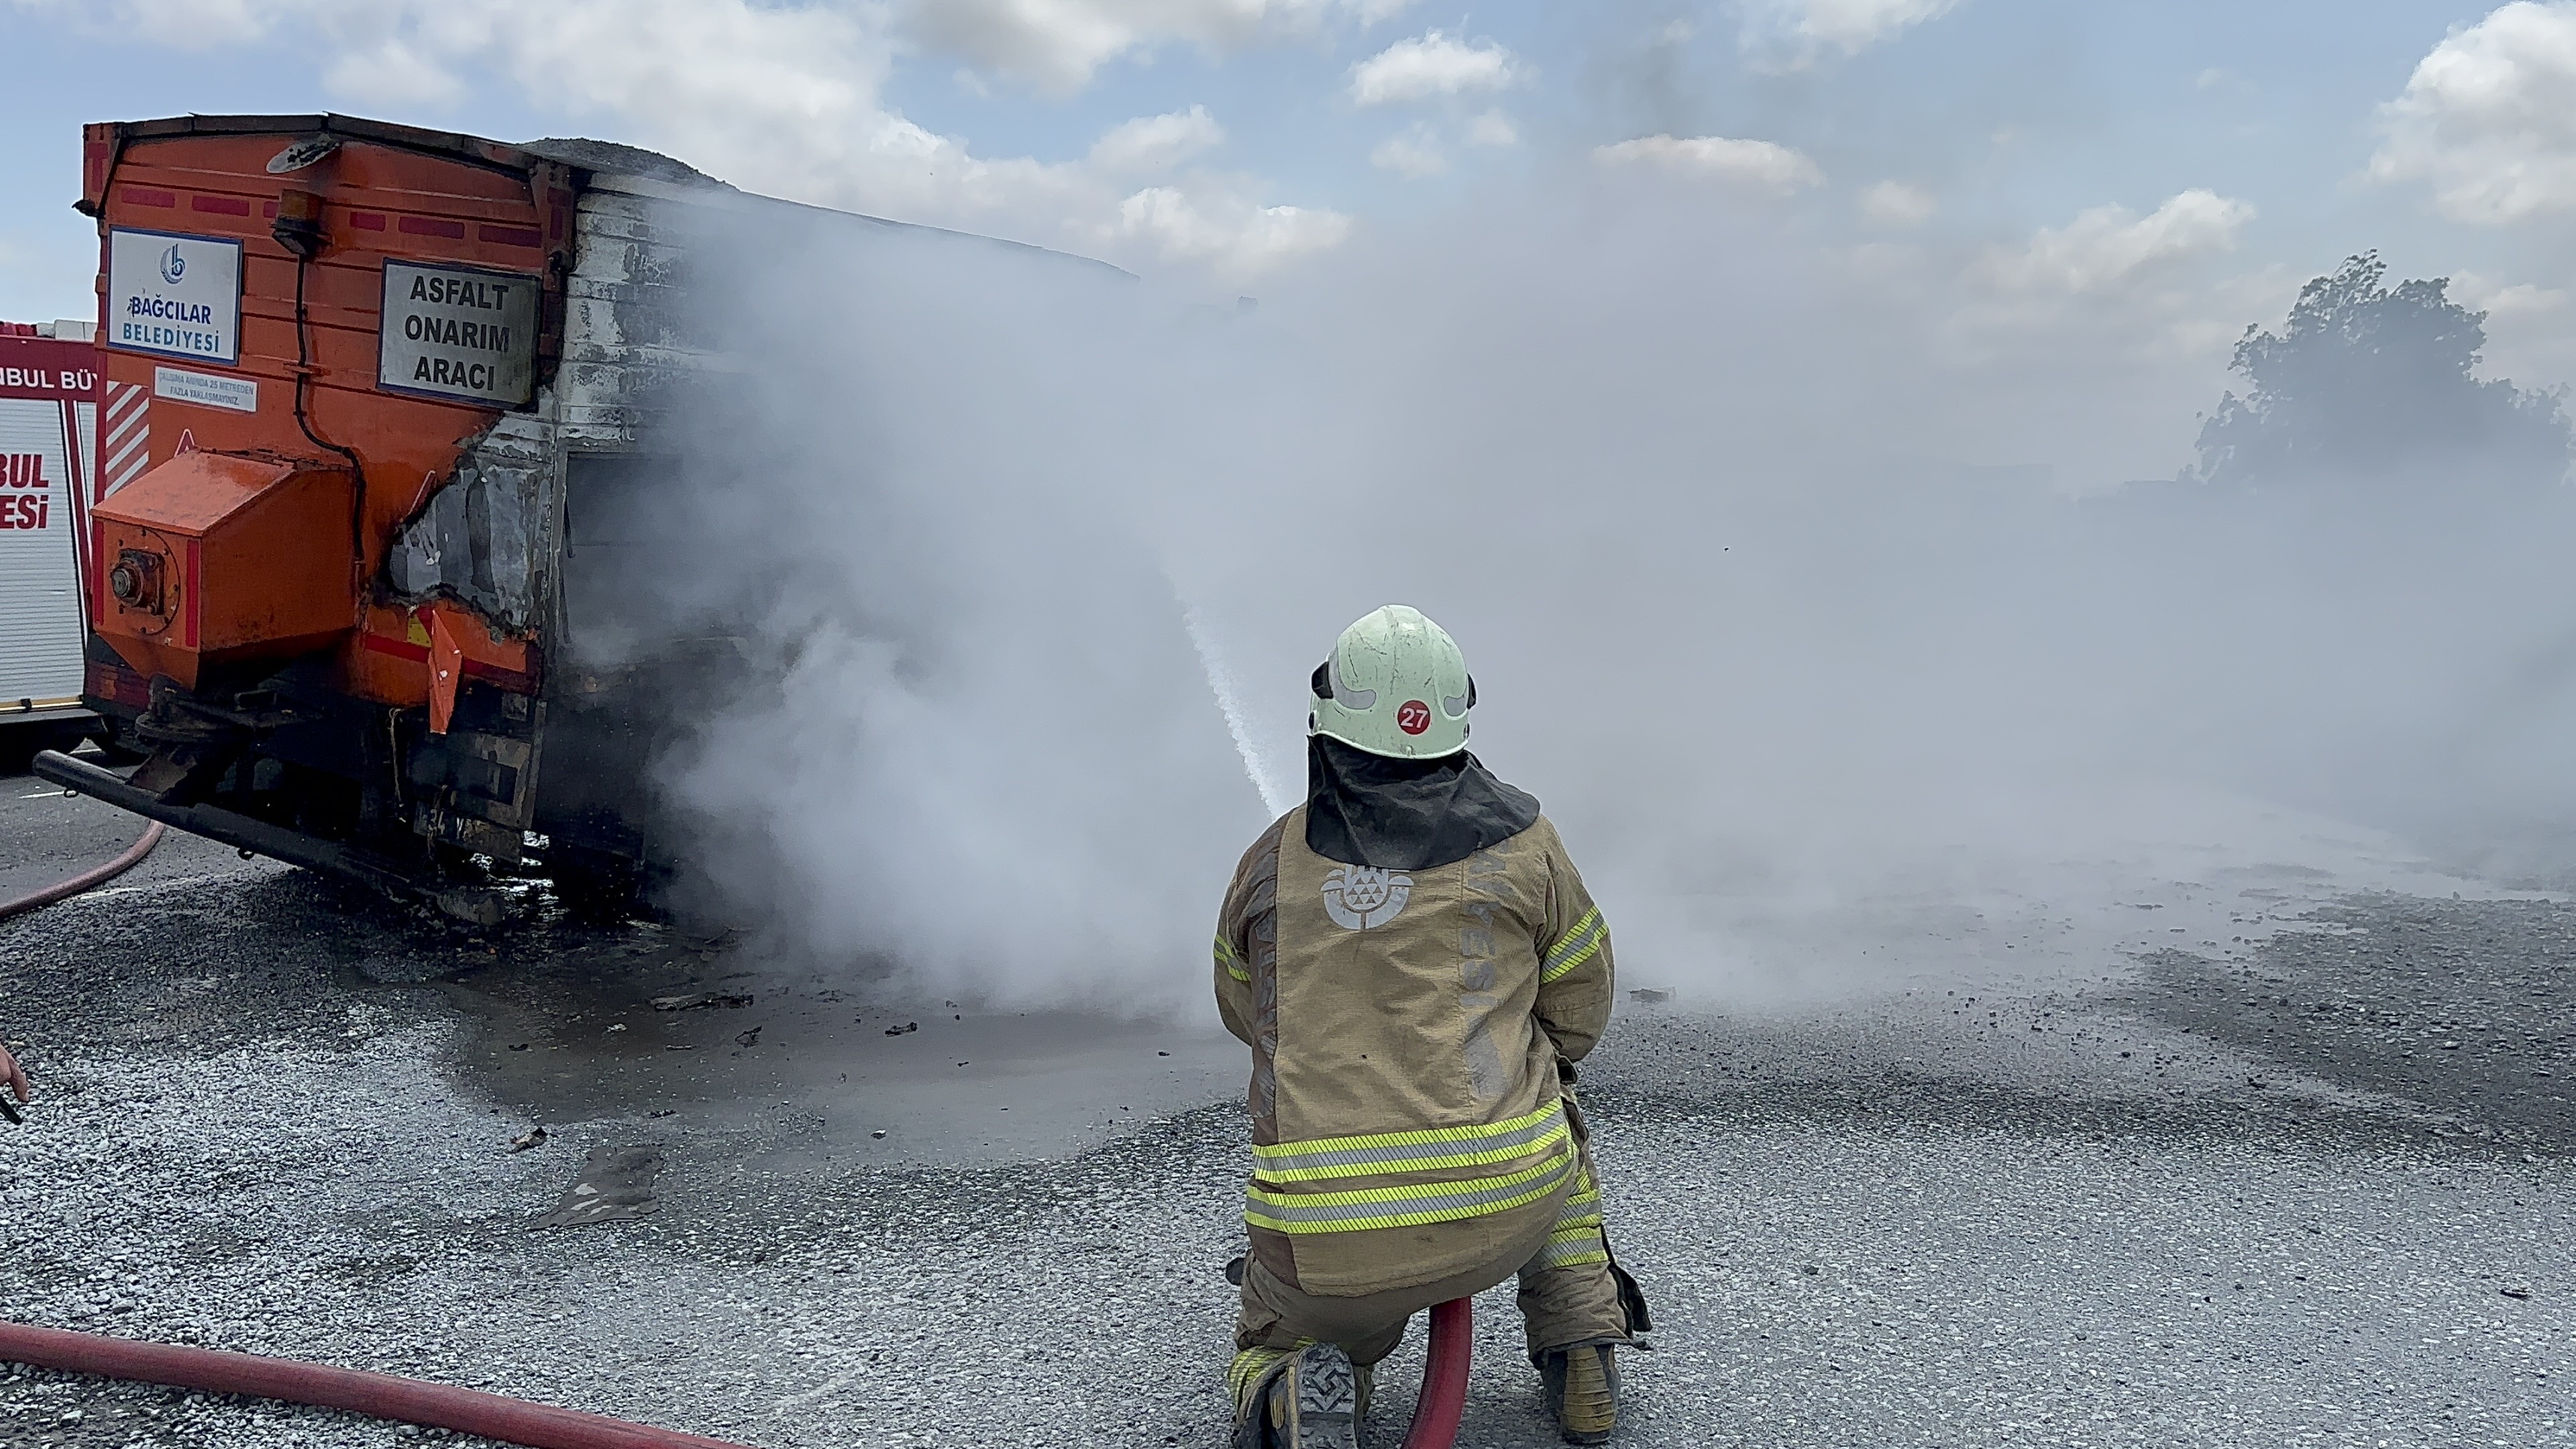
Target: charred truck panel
<point>397,384</point>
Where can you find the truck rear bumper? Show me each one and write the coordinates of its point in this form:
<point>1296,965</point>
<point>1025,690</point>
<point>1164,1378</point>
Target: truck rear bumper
<point>477,905</point>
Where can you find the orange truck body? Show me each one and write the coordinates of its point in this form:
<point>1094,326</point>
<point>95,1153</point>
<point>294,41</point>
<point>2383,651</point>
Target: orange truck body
<point>387,193</point>
<point>358,378</point>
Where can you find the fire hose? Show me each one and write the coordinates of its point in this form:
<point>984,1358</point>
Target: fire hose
<point>88,879</point>
<point>438,1406</point>
<point>543,1426</point>
<point>1436,1413</point>
<point>1444,1377</point>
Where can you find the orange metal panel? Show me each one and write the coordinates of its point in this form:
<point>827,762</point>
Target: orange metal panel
<point>457,643</point>
<point>225,558</point>
<point>386,194</point>
<point>190,495</point>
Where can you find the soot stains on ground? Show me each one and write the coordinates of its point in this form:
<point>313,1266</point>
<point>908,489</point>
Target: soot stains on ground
<point>2464,1008</point>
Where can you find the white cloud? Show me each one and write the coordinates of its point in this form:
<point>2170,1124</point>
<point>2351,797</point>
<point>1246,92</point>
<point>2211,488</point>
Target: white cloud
<point>1493,128</point>
<point>1893,203</point>
<point>1158,143</point>
<point>1791,34</point>
<point>1414,153</point>
<point>394,72</point>
<point>2108,245</point>
<point>786,99</point>
<point>1758,163</point>
<point>2488,119</point>
<point>2165,288</point>
<point>1059,45</point>
<point>2502,302</point>
<point>1432,66</point>
<point>191,24</point>
<point>1234,235</point>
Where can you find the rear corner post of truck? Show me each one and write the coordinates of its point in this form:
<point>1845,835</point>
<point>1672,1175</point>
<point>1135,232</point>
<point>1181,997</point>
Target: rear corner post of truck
<point>319,554</point>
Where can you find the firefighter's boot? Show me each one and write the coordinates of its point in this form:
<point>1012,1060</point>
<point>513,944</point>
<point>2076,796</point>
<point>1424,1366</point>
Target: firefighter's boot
<point>1582,1391</point>
<point>1305,1398</point>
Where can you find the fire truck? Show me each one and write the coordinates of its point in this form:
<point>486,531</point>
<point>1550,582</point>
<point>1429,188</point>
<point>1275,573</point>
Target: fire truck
<point>49,395</point>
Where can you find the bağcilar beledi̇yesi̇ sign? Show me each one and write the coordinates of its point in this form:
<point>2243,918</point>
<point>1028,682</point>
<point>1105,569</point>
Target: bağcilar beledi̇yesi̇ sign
<point>174,295</point>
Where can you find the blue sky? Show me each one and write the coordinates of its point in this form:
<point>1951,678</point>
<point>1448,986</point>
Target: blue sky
<point>1979,129</point>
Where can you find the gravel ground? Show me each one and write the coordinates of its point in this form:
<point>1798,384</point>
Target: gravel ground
<point>2244,1194</point>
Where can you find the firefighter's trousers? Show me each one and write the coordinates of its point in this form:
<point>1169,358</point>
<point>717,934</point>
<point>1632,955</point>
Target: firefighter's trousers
<point>1567,1293</point>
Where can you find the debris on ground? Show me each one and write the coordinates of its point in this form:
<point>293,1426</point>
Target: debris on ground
<point>616,1183</point>
<point>900,1030</point>
<point>691,1001</point>
<point>533,1137</point>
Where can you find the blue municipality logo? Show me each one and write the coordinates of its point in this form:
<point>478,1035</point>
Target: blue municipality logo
<point>173,265</point>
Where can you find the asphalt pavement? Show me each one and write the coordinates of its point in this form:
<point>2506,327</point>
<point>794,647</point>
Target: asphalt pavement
<point>2297,1171</point>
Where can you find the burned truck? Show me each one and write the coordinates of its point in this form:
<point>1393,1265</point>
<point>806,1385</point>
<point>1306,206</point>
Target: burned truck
<point>399,387</point>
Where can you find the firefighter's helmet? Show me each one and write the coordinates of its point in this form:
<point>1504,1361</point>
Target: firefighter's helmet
<point>1394,685</point>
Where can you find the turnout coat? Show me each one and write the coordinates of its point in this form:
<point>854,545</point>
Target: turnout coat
<point>1407,1030</point>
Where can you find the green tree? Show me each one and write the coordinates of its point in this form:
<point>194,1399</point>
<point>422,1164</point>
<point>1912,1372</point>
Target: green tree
<point>2369,380</point>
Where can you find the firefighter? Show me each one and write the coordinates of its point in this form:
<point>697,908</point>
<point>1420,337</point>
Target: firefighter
<point>1417,967</point>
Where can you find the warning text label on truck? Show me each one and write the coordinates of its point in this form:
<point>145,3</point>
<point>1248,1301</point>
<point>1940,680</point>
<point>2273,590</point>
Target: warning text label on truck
<point>459,332</point>
<point>206,389</point>
<point>173,295</point>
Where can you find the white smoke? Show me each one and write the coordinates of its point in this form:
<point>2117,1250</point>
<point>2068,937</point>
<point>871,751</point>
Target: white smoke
<point>1794,615</point>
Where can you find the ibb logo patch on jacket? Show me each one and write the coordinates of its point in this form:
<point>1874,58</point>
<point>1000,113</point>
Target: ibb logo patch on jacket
<point>1360,896</point>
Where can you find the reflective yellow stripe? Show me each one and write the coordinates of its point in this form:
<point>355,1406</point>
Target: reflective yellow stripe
<point>1400,1207</point>
<point>1576,946</point>
<point>1225,958</point>
<point>1429,1147</point>
<point>1575,1240</point>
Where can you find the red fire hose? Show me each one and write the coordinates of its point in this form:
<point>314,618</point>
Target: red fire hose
<point>439,1406</point>
<point>543,1426</point>
<point>1444,1377</point>
<point>88,879</point>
